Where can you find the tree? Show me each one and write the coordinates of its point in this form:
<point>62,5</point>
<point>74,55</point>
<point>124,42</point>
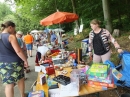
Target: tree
<point>107,16</point>
<point>74,11</point>
<point>35,10</point>
<point>4,11</point>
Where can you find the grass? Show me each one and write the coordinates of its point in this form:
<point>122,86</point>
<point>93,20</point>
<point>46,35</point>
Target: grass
<point>123,40</point>
<point>75,40</point>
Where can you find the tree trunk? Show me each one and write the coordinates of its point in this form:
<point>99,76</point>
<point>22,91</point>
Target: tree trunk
<point>74,11</point>
<point>107,17</point>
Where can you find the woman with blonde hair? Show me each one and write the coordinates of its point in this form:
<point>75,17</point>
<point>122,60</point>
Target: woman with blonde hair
<point>99,42</point>
<point>12,60</point>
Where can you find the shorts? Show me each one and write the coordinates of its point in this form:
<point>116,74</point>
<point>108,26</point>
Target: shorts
<point>37,40</point>
<point>38,57</point>
<point>11,72</point>
<point>29,46</point>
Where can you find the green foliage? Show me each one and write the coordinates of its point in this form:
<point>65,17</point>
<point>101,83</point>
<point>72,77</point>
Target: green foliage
<point>120,14</point>
<point>5,12</point>
<point>30,12</point>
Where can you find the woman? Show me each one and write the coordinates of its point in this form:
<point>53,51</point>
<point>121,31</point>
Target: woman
<point>99,42</point>
<point>12,59</point>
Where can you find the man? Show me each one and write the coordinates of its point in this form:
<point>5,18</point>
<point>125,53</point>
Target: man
<point>19,35</point>
<point>53,38</point>
<point>28,39</point>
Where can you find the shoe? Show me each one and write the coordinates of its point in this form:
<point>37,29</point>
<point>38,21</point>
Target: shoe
<point>30,56</point>
<point>25,78</point>
<point>27,70</point>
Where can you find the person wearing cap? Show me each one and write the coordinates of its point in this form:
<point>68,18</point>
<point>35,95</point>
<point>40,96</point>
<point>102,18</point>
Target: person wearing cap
<point>19,35</point>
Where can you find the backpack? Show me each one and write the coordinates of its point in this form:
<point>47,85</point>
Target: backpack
<point>124,68</point>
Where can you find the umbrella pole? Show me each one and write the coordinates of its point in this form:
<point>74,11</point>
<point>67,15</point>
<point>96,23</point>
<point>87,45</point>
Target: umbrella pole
<point>59,25</point>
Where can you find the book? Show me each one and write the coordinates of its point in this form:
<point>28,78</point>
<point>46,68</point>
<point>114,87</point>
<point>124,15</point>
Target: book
<point>42,79</point>
<point>108,79</point>
<point>99,70</point>
<point>91,83</point>
<point>116,74</point>
<point>99,87</point>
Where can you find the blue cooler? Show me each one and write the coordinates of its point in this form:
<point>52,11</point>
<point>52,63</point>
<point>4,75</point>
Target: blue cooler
<point>84,46</point>
<point>36,94</point>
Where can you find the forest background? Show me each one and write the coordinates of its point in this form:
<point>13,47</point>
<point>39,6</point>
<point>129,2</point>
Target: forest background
<point>28,13</point>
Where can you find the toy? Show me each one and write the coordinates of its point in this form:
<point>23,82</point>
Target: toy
<point>75,63</point>
<point>83,78</point>
<point>50,70</point>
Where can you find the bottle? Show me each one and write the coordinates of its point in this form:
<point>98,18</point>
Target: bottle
<point>62,54</point>
<point>75,60</point>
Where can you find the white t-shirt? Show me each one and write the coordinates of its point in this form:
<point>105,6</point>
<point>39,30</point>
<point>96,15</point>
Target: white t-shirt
<point>36,37</point>
<point>42,50</point>
<point>59,37</point>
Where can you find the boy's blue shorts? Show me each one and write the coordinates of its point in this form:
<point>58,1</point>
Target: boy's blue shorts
<point>29,46</point>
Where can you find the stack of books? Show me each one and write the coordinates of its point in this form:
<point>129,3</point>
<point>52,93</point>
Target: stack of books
<point>100,76</point>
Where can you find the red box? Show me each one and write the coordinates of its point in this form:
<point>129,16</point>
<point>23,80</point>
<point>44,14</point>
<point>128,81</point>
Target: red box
<point>73,55</point>
<point>50,70</point>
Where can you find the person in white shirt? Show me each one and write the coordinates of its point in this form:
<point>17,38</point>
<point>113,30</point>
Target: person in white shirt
<point>37,39</point>
<point>42,53</point>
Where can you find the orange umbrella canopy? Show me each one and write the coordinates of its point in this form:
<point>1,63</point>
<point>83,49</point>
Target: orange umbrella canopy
<point>59,17</point>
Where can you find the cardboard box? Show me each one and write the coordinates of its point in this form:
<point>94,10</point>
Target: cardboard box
<point>106,80</point>
<point>91,83</point>
<point>99,87</point>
